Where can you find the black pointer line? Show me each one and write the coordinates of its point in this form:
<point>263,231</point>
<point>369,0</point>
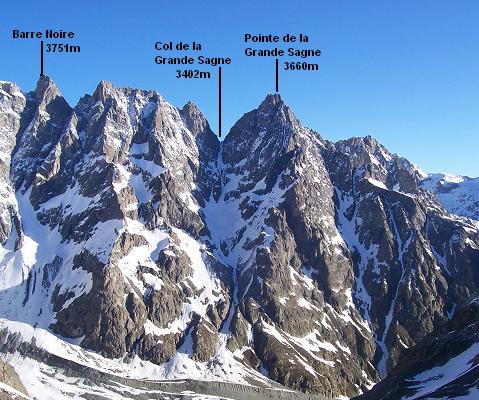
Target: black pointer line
<point>41,58</point>
<point>219,102</point>
<point>277,76</point>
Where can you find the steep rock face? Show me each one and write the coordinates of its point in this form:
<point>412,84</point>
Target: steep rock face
<point>275,254</point>
<point>50,114</point>
<point>293,286</point>
<point>410,256</point>
<point>115,190</point>
<point>13,103</point>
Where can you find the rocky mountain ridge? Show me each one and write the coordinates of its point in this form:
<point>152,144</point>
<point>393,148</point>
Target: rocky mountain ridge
<point>129,232</point>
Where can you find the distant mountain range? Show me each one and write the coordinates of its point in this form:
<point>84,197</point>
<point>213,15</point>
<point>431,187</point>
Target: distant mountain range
<point>458,194</point>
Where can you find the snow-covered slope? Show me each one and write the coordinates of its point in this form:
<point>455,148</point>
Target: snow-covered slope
<point>458,194</point>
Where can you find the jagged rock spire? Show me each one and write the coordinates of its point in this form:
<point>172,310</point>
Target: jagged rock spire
<point>46,89</point>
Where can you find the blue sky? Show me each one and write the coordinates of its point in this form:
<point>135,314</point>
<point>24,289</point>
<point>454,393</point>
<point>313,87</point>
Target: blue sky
<point>406,72</point>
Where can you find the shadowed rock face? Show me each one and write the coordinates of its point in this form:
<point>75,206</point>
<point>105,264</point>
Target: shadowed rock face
<point>130,229</point>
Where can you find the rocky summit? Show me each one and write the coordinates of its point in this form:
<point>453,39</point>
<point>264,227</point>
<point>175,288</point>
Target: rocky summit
<point>142,258</point>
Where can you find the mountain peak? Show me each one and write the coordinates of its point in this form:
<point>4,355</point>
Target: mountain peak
<point>274,108</point>
<point>190,107</point>
<point>195,119</point>
<point>272,101</point>
<point>191,111</point>
<point>46,90</point>
<point>103,90</point>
